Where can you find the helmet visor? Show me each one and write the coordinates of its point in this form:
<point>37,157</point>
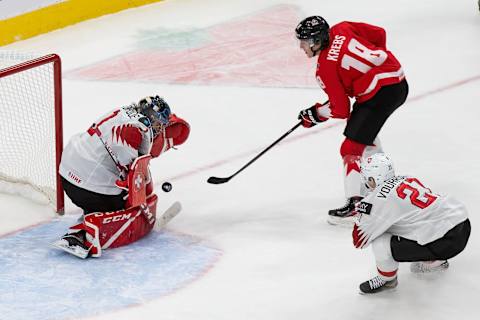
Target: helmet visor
<point>162,113</point>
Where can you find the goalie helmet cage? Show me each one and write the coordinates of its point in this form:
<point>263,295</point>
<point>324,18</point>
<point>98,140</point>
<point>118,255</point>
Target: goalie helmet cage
<point>31,130</point>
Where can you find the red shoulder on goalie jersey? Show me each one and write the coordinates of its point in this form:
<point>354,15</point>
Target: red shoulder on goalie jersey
<point>105,172</point>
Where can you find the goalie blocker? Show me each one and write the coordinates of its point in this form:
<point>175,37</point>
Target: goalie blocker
<point>102,230</point>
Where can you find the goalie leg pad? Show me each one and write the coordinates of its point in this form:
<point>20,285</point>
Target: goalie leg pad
<point>114,229</point>
<point>119,228</point>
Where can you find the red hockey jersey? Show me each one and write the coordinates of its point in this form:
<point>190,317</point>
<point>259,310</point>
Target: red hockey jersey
<point>356,64</point>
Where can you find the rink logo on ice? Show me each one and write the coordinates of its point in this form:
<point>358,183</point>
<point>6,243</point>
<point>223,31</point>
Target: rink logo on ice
<point>35,277</point>
<point>235,52</point>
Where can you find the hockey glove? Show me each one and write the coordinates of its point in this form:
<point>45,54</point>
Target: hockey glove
<point>178,130</point>
<point>310,116</point>
<point>176,133</point>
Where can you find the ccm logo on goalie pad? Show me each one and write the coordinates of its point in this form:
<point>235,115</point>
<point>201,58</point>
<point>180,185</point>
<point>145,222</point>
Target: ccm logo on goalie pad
<point>364,207</point>
<point>115,218</point>
<point>126,216</point>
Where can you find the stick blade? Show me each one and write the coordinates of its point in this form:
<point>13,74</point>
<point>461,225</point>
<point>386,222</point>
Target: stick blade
<point>168,215</point>
<point>217,180</point>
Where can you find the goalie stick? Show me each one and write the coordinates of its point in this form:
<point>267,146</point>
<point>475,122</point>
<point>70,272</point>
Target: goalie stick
<point>168,215</point>
<point>166,186</point>
<point>122,170</point>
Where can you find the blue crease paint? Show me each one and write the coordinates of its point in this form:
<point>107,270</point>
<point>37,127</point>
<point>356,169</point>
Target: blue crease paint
<point>40,282</point>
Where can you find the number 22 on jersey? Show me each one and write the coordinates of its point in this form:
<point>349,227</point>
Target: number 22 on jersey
<point>419,195</point>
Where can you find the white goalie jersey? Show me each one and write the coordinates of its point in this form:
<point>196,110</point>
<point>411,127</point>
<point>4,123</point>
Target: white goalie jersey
<point>403,207</point>
<point>86,162</point>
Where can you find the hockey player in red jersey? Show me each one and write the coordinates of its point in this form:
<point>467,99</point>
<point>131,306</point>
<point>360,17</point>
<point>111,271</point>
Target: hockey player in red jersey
<point>404,221</point>
<point>353,62</point>
<point>105,172</point>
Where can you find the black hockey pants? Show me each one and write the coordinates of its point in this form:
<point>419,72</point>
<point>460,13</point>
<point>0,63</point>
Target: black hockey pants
<point>91,201</point>
<point>451,244</point>
<point>367,118</point>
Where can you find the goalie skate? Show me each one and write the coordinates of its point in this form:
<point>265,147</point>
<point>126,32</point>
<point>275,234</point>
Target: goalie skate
<point>429,266</point>
<point>73,244</point>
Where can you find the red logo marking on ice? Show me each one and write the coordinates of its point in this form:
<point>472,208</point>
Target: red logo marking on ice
<point>257,50</point>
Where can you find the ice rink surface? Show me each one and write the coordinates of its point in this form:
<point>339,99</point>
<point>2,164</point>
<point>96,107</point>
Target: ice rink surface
<point>234,71</point>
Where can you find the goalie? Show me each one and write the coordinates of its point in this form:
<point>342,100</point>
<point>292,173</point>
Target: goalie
<point>105,172</point>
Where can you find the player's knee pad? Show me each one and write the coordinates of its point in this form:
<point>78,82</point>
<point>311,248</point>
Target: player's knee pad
<point>351,148</point>
<point>351,153</point>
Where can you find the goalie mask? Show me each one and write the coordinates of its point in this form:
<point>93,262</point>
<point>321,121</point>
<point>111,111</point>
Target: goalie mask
<point>378,168</point>
<point>157,111</point>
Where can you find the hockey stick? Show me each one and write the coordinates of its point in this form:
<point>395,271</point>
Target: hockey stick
<point>166,186</point>
<point>168,215</point>
<point>121,169</point>
<point>217,180</point>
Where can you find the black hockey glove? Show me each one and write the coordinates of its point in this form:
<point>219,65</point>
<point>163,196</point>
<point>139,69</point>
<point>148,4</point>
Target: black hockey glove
<point>310,116</point>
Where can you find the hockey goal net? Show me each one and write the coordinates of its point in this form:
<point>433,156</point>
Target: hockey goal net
<point>31,126</point>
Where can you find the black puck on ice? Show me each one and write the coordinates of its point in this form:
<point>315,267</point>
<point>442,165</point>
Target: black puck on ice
<point>167,186</point>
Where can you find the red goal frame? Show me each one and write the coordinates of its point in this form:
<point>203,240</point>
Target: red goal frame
<point>57,78</point>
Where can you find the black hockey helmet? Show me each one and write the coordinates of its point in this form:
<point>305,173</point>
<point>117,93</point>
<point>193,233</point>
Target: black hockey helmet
<point>156,110</point>
<point>315,29</point>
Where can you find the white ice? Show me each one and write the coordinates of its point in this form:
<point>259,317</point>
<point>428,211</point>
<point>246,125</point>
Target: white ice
<point>281,259</point>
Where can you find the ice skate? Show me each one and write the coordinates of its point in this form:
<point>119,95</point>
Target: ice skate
<point>73,243</point>
<point>377,284</point>
<point>344,215</point>
<point>429,266</point>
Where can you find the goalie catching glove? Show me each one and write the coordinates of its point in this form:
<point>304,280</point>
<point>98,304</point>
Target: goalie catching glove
<point>175,134</point>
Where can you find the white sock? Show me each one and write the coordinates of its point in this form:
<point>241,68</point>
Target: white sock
<point>387,267</point>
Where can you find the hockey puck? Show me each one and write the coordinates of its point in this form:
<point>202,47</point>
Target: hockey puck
<point>167,186</point>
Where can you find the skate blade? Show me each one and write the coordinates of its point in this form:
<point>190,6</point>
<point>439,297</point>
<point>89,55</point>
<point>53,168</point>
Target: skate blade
<point>389,287</point>
<point>383,291</point>
<point>347,222</point>
<point>76,251</point>
<point>417,268</point>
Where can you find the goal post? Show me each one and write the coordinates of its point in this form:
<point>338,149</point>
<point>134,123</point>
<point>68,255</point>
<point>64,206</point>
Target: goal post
<point>31,130</point>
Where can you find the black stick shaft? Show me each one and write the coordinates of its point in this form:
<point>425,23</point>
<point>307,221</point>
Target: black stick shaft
<point>216,180</point>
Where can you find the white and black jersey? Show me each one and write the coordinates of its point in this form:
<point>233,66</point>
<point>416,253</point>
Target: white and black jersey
<point>86,162</point>
<point>402,206</point>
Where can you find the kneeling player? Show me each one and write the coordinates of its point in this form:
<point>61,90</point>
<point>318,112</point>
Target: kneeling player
<point>105,172</point>
<point>406,222</point>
